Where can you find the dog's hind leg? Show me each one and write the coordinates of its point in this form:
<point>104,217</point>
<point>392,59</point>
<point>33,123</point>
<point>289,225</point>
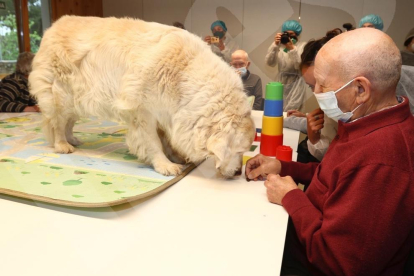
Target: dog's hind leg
<point>143,141</point>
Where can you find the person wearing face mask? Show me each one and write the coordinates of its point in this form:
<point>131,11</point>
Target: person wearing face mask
<point>356,215</point>
<point>285,52</point>
<point>320,128</point>
<point>407,54</point>
<point>251,82</point>
<point>221,44</point>
<point>371,21</point>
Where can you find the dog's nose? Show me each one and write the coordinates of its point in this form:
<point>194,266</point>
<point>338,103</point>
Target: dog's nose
<point>238,172</point>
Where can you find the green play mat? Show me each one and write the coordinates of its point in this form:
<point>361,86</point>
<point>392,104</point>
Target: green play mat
<point>99,173</point>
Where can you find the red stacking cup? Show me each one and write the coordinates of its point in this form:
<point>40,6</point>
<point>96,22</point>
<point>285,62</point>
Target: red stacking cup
<point>284,153</point>
<point>269,144</point>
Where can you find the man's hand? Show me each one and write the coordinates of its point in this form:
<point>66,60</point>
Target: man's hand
<point>295,113</point>
<point>315,121</point>
<point>277,187</point>
<point>258,167</point>
<point>277,38</point>
<point>33,108</point>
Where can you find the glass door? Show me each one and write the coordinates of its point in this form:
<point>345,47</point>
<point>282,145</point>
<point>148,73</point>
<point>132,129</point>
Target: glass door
<point>9,46</point>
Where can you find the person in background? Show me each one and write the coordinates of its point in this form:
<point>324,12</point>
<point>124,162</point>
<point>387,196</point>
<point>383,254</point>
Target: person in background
<point>405,86</point>
<point>178,25</point>
<point>14,91</point>
<point>251,82</point>
<point>356,216</point>
<point>220,43</point>
<point>319,128</point>
<point>408,53</point>
<point>285,52</point>
<point>371,21</point>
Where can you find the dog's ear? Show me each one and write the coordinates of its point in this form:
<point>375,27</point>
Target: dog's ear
<point>219,148</point>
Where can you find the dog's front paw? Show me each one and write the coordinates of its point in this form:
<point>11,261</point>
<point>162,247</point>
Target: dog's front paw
<point>64,147</point>
<point>168,168</point>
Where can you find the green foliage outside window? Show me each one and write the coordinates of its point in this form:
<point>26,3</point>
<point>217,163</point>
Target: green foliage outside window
<point>8,29</point>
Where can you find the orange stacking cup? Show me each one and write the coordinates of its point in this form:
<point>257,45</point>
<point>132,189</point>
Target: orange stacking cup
<point>269,144</point>
<point>284,153</point>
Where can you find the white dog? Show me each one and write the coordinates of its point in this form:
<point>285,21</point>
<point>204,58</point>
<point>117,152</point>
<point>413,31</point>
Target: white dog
<point>149,76</point>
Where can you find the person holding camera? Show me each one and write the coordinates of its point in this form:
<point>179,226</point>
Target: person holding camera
<point>221,45</point>
<point>371,21</point>
<point>285,52</point>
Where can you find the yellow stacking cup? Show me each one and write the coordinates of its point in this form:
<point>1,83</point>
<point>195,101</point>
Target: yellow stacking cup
<point>272,125</point>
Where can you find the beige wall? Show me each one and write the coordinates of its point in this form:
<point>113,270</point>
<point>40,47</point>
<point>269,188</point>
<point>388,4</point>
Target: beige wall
<point>254,23</point>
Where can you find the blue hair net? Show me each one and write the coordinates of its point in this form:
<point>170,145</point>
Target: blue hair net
<point>292,25</point>
<point>374,19</point>
<point>219,23</point>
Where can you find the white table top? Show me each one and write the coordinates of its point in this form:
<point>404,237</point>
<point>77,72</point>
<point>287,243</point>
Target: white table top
<point>201,225</point>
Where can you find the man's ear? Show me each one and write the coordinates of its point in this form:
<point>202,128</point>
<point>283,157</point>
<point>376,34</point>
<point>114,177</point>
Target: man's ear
<point>247,65</point>
<point>364,89</point>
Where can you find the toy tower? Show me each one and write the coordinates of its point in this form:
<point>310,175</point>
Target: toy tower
<point>272,126</point>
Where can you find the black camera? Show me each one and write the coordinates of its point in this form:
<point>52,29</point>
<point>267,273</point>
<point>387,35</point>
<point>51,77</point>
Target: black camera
<point>348,26</point>
<point>284,39</point>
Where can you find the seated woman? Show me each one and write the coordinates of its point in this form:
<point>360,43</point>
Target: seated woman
<point>319,128</point>
<point>14,91</point>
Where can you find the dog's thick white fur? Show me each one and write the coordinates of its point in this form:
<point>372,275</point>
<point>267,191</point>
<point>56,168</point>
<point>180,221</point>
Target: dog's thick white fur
<point>149,76</point>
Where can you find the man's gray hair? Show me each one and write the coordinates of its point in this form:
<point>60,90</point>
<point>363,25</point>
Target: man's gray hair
<point>243,52</point>
<point>24,63</point>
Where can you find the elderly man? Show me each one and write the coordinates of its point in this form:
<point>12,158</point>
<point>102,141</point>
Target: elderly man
<point>356,216</point>
<point>221,44</point>
<point>251,82</point>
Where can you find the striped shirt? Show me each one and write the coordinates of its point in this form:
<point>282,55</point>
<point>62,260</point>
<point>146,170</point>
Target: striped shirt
<point>14,93</point>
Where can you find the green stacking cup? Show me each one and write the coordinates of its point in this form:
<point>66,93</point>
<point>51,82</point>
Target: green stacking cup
<point>274,91</point>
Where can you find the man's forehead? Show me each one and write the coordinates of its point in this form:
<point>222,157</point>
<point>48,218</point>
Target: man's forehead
<point>320,63</point>
<point>323,68</point>
<point>238,57</point>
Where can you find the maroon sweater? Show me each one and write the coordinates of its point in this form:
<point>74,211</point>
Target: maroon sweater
<point>357,215</point>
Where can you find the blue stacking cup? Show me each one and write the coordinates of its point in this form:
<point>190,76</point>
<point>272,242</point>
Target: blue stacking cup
<point>273,108</point>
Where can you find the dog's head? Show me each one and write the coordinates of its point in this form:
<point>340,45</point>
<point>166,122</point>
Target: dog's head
<point>229,142</point>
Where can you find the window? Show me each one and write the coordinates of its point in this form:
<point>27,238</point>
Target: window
<point>32,29</point>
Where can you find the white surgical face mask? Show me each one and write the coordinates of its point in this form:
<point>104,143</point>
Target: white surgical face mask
<point>329,104</point>
<point>243,71</point>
